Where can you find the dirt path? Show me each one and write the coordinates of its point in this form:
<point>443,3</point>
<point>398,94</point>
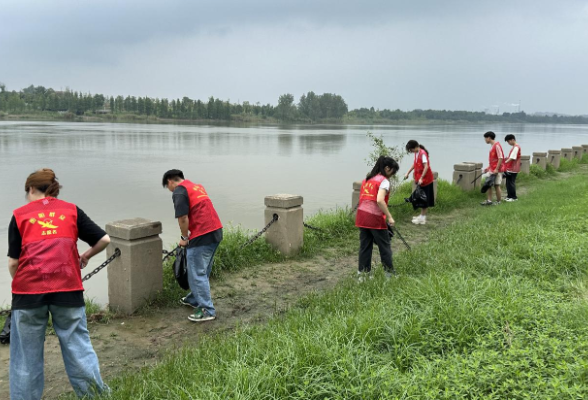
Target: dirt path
<point>250,296</point>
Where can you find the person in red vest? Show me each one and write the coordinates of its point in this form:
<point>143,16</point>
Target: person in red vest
<point>423,176</point>
<point>513,167</point>
<point>44,263</point>
<point>373,216</point>
<point>495,167</point>
<point>201,233</point>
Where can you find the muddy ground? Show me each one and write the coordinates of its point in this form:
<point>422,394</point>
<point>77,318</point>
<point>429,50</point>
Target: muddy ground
<point>251,296</point>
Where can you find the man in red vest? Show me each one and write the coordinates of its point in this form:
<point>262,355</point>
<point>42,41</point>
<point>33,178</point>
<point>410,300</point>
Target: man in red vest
<point>495,167</point>
<point>513,167</point>
<point>201,233</point>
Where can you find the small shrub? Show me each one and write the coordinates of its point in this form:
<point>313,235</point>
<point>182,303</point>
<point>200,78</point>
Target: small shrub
<point>538,171</point>
<point>550,169</point>
<point>566,165</point>
<point>584,159</point>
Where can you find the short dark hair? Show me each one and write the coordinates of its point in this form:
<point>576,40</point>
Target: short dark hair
<point>172,174</point>
<point>509,137</point>
<point>490,135</point>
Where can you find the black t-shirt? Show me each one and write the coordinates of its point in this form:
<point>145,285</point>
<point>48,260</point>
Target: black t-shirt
<point>182,207</point>
<point>88,232</point>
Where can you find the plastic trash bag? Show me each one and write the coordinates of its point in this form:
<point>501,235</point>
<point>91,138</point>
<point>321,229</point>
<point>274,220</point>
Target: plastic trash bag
<point>5,334</point>
<point>418,198</point>
<point>488,183</point>
<point>181,268</point>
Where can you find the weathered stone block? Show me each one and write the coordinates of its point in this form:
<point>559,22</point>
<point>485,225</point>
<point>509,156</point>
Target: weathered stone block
<point>283,201</point>
<point>554,157</point>
<point>525,164</point>
<point>467,167</point>
<point>578,152</point>
<point>540,159</point>
<point>136,275</point>
<point>567,153</point>
<point>287,234</point>
<point>355,196</point>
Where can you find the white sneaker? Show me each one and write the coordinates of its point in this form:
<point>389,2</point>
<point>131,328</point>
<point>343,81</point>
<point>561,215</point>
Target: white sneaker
<point>420,220</point>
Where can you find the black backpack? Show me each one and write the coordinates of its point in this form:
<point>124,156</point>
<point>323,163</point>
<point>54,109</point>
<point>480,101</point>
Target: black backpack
<point>5,334</point>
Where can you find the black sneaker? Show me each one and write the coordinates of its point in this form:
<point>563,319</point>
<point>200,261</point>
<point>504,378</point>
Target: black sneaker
<point>185,303</point>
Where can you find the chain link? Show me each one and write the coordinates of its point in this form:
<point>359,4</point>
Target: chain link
<point>261,232</point>
<point>314,228</point>
<point>103,265</point>
<point>169,254</point>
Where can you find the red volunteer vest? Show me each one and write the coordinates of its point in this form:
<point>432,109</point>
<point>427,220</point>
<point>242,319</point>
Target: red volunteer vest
<point>203,217</point>
<point>49,261</point>
<point>514,166</point>
<point>419,167</point>
<point>494,156</point>
<point>369,214</point>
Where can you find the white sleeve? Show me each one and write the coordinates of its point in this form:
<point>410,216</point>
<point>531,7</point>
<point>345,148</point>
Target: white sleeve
<point>424,158</point>
<point>514,154</point>
<point>385,185</point>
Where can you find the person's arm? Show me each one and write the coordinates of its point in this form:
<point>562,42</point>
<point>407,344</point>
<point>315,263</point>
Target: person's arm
<point>498,165</point>
<point>381,200</point>
<point>12,266</point>
<point>184,224</point>
<point>92,251</point>
<point>409,171</point>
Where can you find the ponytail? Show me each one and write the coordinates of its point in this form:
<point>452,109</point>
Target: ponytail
<point>45,181</point>
<point>423,148</point>
<point>380,167</point>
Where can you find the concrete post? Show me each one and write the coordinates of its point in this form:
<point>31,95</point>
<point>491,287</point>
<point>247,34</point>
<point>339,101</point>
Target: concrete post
<point>578,152</point>
<point>526,164</point>
<point>285,235</point>
<point>554,157</point>
<point>355,197</point>
<point>585,149</point>
<point>567,153</point>
<point>464,175</point>
<point>137,274</point>
<point>540,158</point>
<point>478,170</point>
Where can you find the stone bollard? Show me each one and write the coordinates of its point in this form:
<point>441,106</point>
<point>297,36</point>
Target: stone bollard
<point>355,197</point>
<point>478,170</point>
<point>567,153</point>
<point>584,149</point>
<point>578,152</point>
<point>526,164</point>
<point>286,234</point>
<point>464,175</point>
<point>554,158</point>
<point>540,159</point>
<point>137,274</point>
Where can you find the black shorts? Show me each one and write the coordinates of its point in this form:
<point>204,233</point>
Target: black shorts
<point>430,194</point>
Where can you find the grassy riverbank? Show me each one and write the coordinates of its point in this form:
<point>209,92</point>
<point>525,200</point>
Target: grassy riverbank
<point>493,307</point>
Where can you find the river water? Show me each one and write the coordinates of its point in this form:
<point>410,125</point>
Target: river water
<point>113,171</point>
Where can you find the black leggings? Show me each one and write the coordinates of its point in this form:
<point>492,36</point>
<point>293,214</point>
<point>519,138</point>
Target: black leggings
<point>367,238</point>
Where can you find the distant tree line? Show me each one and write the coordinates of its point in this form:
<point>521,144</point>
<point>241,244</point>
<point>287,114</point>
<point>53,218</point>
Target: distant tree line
<point>310,108</point>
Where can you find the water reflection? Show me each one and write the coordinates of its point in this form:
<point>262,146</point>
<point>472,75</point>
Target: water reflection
<point>321,143</point>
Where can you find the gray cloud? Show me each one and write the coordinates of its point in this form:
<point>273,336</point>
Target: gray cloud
<point>455,54</point>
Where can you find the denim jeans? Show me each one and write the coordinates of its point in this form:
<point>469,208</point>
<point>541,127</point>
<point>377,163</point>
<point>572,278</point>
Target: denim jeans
<point>27,342</point>
<point>200,260</point>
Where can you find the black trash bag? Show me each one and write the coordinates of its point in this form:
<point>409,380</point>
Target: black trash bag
<point>488,183</point>
<point>5,334</point>
<point>181,268</point>
<point>418,198</point>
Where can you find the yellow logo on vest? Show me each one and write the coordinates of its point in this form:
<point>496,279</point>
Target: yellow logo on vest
<point>48,228</point>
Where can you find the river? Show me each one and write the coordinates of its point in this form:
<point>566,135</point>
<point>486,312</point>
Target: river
<point>113,171</point>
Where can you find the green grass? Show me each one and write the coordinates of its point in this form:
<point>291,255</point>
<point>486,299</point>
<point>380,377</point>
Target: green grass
<point>495,307</point>
<point>566,165</point>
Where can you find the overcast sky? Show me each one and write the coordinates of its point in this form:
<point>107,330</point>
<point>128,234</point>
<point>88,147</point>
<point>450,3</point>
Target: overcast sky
<point>440,54</point>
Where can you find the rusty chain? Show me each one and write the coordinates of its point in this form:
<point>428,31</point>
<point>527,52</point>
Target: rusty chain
<point>261,232</point>
<point>169,254</point>
<point>86,277</point>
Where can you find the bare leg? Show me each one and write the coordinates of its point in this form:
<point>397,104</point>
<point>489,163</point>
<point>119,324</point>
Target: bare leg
<point>498,193</point>
<point>489,194</point>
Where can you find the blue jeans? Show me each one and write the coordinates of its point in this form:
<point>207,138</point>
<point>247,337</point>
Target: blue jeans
<point>27,342</point>
<point>200,260</point>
